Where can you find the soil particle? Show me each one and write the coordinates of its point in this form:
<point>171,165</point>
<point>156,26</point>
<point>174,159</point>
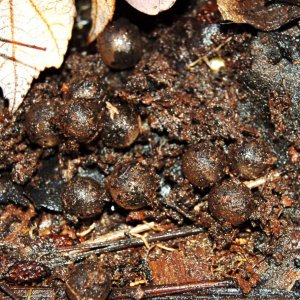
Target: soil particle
<point>192,260</point>
<point>10,192</point>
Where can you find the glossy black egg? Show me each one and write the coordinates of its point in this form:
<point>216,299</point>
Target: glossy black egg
<point>88,281</point>
<point>132,185</point>
<point>120,125</point>
<point>84,197</point>
<point>79,120</point>
<point>120,45</point>
<point>250,159</point>
<point>231,202</point>
<point>204,164</point>
<point>39,124</point>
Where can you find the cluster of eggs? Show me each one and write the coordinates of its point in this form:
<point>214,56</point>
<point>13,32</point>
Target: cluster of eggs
<point>133,185</point>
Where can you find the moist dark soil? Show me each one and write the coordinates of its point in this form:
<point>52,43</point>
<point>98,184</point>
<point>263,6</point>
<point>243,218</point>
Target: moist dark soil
<point>157,174</point>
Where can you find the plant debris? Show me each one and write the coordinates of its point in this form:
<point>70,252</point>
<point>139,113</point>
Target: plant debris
<point>264,15</point>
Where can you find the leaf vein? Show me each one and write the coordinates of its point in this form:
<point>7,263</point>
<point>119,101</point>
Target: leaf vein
<point>47,25</point>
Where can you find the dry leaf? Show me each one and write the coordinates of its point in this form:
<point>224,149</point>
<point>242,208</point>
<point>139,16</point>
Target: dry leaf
<point>102,13</point>
<point>34,35</point>
<point>258,13</point>
<point>151,7</point>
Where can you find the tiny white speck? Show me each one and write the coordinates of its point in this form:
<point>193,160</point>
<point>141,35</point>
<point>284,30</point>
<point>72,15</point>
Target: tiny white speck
<point>165,190</point>
<point>216,63</point>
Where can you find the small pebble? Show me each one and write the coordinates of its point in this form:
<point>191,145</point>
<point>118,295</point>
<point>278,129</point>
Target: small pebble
<point>216,63</point>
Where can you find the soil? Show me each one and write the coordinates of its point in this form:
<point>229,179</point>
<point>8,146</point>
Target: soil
<point>191,172</point>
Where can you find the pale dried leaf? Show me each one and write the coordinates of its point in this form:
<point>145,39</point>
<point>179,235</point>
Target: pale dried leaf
<point>151,7</point>
<point>102,13</point>
<point>34,35</point>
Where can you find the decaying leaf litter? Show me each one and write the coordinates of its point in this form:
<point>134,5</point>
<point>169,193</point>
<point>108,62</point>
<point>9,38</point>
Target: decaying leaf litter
<point>236,109</point>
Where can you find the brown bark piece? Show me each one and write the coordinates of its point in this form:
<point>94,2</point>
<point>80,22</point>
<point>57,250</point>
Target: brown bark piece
<point>180,267</point>
<point>257,13</point>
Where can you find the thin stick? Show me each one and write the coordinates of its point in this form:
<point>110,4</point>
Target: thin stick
<point>120,234</point>
<point>87,231</point>
<point>262,180</point>
<point>200,59</point>
<point>106,239</point>
<point>7,290</point>
<point>124,244</point>
<point>257,293</point>
<point>164,290</point>
<point>179,209</point>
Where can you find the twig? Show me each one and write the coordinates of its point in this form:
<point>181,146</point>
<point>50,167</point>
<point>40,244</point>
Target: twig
<point>120,234</point>
<point>178,209</point>
<point>200,59</point>
<point>87,231</point>
<point>262,180</point>
<point>106,239</point>
<point>143,238</point>
<point>7,290</point>
<point>164,290</point>
<point>34,292</point>
<point>237,293</point>
<point>98,248</point>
